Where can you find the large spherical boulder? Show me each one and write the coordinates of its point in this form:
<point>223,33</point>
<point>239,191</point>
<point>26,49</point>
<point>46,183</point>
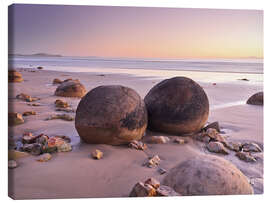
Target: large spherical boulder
<point>177,106</point>
<point>14,76</point>
<point>207,175</point>
<point>111,115</point>
<point>70,88</point>
<point>256,99</point>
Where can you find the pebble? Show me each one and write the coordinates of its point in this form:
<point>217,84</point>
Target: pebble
<point>97,154</point>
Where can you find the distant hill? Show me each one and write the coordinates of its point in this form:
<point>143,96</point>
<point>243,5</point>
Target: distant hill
<point>38,55</point>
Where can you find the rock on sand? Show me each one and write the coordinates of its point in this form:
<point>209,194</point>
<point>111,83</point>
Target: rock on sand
<point>111,115</point>
<point>14,76</point>
<point>177,106</point>
<point>256,99</point>
<point>207,175</point>
<point>70,88</point>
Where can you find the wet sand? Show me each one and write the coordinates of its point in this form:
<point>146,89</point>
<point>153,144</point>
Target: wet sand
<point>74,174</point>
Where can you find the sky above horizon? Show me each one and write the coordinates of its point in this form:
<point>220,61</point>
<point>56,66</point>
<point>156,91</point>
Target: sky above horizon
<point>135,32</point>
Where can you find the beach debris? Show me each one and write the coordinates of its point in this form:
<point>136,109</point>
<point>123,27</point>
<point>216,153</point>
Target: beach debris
<point>39,67</point>
<point>68,110</point>
<point>214,125</point>
<point>12,164</point>
<point>217,147</point>
<point>44,157</point>
<point>245,156</point>
<point>142,190</point>
<point>116,106</point>
<point>15,119</point>
<point>137,145</point>
<point>244,79</point>
<point>251,147</point>
<point>65,117</point>
<point>157,139</point>
<point>162,171</point>
<point>97,154</point>
<point>179,140</point>
<point>26,97</point>
<point>167,101</point>
<point>14,76</point>
<point>234,146</point>
<point>207,175</point>
<point>70,88</point>
<point>61,104</point>
<point>57,81</point>
<point>34,104</point>
<point>152,161</point>
<point>28,113</point>
<point>14,154</point>
<point>256,99</point>
<point>150,188</point>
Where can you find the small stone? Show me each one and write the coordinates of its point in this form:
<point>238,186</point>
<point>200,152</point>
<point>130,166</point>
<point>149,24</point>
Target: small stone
<point>15,119</point>
<point>14,154</point>
<point>142,190</point>
<point>245,156</point>
<point>61,104</point>
<point>153,161</point>
<point>153,182</point>
<point>217,147</point>
<point>12,164</point>
<point>34,104</point>
<point>162,171</point>
<point>214,125</point>
<point>44,157</point>
<point>244,79</point>
<point>65,147</point>
<point>28,113</point>
<point>179,141</point>
<point>235,146</point>
<point>26,97</point>
<point>57,81</point>
<point>166,191</point>
<point>60,116</point>
<point>157,139</point>
<point>39,68</point>
<point>97,154</point>
<point>137,145</point>
<point>251,147</point>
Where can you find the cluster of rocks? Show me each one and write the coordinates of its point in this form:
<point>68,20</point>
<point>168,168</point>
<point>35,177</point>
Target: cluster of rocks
<point>151,188</point>
<point>218,144</point>
<point>14,76</point>
<point>26,97</point>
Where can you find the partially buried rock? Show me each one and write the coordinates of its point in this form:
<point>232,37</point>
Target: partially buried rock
<point>71,88</point>
<point>15,119</point>
<point>44,157</point>
<point>251,147</point>
<point>256,99</point>
<point>26,97</point>
<point>57,81</point>
<point>207,175</point>
<point>97,154</point>
<point>112,115</point>
<point>137,145</point>
<point>14,76</point>
<point>61,104</point>
<point>60,116</point>
<point>142,190</point>
<point>29,113</point>
<point>217,147</point>
<point>177,106</point>
<point>157,139</point>
<point>12,164</point>
<point>245,156</point>
<point>214,125</point>
<point>152,161</point>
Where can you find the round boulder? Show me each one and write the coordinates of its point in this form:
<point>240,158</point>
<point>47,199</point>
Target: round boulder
<point>14,76</point>
<point>256,99</point>
<point>111,115</point>
<point>207,175</point>
<point>71,88</point>
<point>177,106</point>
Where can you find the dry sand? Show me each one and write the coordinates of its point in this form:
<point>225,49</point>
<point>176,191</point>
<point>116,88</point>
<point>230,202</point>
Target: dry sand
<point>74,174</point>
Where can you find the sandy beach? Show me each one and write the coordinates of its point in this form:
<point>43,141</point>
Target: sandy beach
<point>74,174</point>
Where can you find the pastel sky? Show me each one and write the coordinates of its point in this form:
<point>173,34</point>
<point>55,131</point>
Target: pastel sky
<point>135,32</point>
